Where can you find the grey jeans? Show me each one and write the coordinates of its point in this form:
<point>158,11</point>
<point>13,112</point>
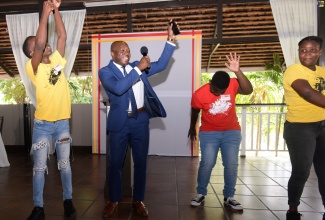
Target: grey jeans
<point>306,145</point>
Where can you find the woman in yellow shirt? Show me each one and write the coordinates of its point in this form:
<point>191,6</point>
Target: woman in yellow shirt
<point>304,129</point>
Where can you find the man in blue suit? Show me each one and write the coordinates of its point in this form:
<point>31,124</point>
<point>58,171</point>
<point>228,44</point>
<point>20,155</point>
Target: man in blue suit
<point>128,120</point>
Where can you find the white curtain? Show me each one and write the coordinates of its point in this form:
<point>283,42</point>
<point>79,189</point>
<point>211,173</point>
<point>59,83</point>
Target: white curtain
<point>21,26</point>
<point>294,20</point>
<point>73,22</point>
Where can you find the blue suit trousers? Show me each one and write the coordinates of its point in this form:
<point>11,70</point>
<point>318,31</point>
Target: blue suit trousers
<point>134,133</point>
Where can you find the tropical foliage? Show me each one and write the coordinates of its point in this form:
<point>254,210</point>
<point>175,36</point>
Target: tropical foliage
<point>268,84</point>
<point>13,91</point>
<point>81,89</point>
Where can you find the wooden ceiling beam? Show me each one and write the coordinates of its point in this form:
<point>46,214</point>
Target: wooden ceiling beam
<point>7,70</point>
<point>240,40</point>
<point>246,26</point>
<point>20,6</point>
<point>34,8</point>
<point>204,41</point>
<point>172,3</point>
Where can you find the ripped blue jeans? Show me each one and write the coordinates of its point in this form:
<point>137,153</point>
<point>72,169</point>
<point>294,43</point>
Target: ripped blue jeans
<point>44,133</point>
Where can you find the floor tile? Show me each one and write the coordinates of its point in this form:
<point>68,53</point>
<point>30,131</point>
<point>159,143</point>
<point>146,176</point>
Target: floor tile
<point>268,190</point>
<point>171,184</point>
<point>196,213</point>
<point>252,180</point>
<point>252,215</point>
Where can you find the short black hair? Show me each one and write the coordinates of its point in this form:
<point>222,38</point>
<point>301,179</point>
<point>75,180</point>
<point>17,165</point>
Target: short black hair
<point>26,48</point>
<point>221,79</point>
<point>316,39</point>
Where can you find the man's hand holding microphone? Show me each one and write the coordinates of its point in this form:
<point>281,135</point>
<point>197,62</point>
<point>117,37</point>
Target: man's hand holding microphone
<point>144,64</point>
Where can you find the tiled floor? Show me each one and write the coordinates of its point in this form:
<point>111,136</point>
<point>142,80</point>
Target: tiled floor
<point>171,183</point>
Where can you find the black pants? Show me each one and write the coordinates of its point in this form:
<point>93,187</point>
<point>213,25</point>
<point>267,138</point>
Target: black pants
<point>306,145</point>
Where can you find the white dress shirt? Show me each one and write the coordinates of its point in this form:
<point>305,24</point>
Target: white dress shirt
<point>138,87</point>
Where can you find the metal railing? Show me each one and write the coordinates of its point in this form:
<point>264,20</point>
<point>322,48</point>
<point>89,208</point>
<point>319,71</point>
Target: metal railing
<point>262,127</point>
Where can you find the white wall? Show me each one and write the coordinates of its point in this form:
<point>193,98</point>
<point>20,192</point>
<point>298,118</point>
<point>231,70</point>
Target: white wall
<point>13,124</point>
<point>81,124</point>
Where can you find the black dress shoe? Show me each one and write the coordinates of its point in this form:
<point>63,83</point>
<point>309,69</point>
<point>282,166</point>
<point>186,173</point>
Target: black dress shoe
<point>140,208</point>
<point>110,209</point>
<point>293,216</point>
<point>69,210</point>
<point>37,214</point>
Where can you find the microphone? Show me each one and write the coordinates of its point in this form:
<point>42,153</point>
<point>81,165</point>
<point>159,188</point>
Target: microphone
<point>144,52</point>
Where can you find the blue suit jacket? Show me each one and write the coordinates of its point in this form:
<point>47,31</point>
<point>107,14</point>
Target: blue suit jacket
<point>117,86</point>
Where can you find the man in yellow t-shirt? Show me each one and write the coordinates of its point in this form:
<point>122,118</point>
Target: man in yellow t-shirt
<point>53,108</point>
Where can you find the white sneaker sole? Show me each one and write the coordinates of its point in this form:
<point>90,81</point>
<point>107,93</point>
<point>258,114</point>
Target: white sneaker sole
<point>193,203</point>
<point>237,208</point>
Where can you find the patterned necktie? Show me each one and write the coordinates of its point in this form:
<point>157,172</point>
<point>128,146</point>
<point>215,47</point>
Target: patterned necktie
<point>132,99</point>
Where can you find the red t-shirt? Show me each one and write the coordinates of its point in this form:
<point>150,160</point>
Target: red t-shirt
<point>218,112</point>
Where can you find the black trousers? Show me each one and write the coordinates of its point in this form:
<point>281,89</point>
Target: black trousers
<point>306,145</point>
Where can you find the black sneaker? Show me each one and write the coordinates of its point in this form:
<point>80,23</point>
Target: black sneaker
<point>294,216</point>
<point>196,201</point>
<point>37,214</point>
<point>231,202</point>
<point>69,210</point>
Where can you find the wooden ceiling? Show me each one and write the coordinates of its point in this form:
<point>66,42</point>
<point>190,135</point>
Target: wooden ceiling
<point>244,26</point>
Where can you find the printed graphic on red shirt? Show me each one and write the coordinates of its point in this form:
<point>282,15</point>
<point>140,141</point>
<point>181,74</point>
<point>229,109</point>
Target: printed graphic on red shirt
<point>218,112</point>
<point>220,106</point>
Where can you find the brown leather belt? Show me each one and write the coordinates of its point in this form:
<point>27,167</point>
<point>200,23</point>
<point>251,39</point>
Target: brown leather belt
<point>142,109</point>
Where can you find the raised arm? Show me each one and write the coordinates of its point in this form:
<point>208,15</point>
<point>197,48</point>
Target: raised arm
<point>41,36</point>
<point>60,29</point>
<point>245,86</point>
<point>145,61</point>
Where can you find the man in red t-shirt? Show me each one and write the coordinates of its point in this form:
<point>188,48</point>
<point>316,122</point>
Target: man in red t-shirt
<point>219,129</point>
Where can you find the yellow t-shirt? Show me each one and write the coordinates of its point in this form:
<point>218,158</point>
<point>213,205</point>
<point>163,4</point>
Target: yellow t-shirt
<point>52,91</point>
<point>299,110</point>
